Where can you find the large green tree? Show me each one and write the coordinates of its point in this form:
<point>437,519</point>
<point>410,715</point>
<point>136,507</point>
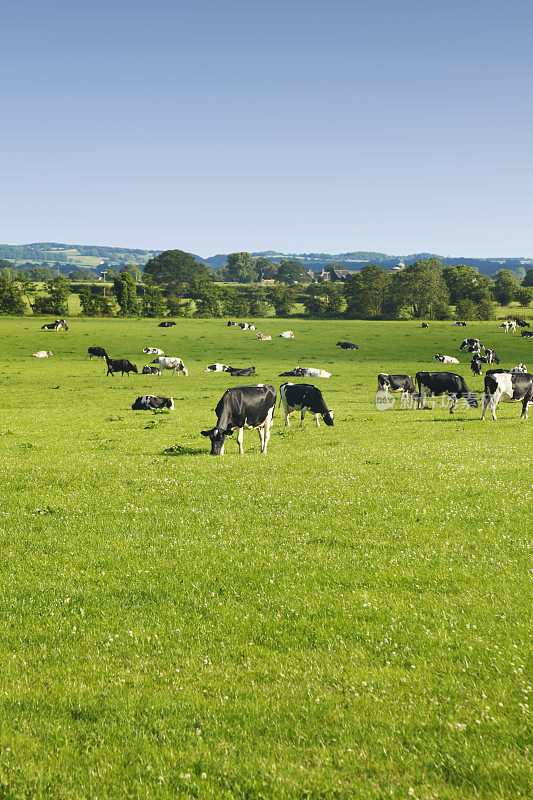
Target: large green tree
<point>505,287</point>
<point>365,292</point>
<point>11,299</point>
<point>125,290</point>
<point>240,267</point>
<point>291,271</point>
<point>324,299</point>
<point>465,283</point>
<point>55,301</point>
<point>179,272</point>
<point>420,291</point>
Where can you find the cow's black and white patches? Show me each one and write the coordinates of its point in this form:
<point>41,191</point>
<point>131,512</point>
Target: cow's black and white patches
<point>507,388</point>
<point>439,383</point>
<point>149,402</point>
<point>304,397</point>
<point>243,407</point>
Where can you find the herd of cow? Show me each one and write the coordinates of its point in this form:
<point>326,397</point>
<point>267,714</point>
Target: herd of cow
<point>252,407</point>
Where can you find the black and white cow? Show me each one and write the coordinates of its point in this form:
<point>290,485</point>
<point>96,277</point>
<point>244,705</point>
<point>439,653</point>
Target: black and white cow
<point>305,372</point>
<point>395,383</point>
<point>121,365</point>
<point>153,351</point>
<point>460,324</point>
<point>446,359</point>
<point>58,325</point>
<point>246,326</point>
<point>527,334</point>
<point>171,362</point>
<point>147,402</point>
<point>509,388</point>
<point>475,365</point>
<point>167,324</point>
<point>98,352</point>
<point>243,407</point>
<point>149,370</point>
<point>241,372</point>
<point>217,368</point>
<point>304,397</point>
<point>521,322</point>
<point>490,357</point>
<point>438,383</point>
<point>347,346</point>
<point>232,324</point>
<point>466,343</point>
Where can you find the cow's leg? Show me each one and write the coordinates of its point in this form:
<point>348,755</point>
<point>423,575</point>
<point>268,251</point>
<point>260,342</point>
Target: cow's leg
<point>302,415</point>
<point>421,398</point>
<point>486,403</point>
<point>527,400</point>
<point>240,438</point>
<point>287,420</point>
<point>317,417</point>
<point>268,425</point>
<point>454,403</point>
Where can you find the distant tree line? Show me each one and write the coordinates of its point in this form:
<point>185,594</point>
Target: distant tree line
<point>175,283</point>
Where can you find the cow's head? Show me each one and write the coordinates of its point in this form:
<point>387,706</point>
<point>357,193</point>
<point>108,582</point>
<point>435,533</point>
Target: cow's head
<point>218,439</point>
<point>185,371</point>
<point>471,399</point>
<point>155,361</point>
<point>328,418</point>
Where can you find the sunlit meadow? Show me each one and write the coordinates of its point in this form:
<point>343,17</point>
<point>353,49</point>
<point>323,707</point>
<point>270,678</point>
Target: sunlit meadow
<point>347,616</point>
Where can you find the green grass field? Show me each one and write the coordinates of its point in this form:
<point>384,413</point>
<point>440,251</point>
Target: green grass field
<point>345,617</point>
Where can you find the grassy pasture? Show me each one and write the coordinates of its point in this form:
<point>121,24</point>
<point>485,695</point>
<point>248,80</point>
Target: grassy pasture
<point>347,616</point>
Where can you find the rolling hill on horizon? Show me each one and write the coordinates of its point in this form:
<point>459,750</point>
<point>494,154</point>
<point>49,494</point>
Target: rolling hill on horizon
<point>72,256</point>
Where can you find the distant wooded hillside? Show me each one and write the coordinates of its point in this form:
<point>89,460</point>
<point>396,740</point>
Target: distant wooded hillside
<point>69,256</point>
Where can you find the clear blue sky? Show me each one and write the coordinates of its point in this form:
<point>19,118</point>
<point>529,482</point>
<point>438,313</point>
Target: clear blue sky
<point>300,126</point>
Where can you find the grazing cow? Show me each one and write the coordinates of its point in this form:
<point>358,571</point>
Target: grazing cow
<point>508,388</point>
<point>121,365</point>
<point>395,383</point>
<point>42,354</point>
<point>304,397</point>
<point>99,352</point>
<point>149,370</point>
<point>232,324</point>
<point>167,324</point>
<point>470,343</point>
<point>305,372</point>
<point>490,357</point>
<point>527,334</point>
<point>241,372</point>
<point>425,325</point>
<point>347,346</point>
<point>153,351</point>
<point>217,368</point>
<point>149,401</point>
<point>475,365</point>
<point>264,337</point>
<point>508,325</point>
<point>460,324</point>
<point>171,362</point>
<point>438,383</point>
<point>243,407</point>
<point>446,359</point>
<point>521,322</point>
<point>287,335</point>
<point>519,368</point>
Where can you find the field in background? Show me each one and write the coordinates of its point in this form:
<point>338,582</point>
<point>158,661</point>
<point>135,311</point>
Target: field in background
<point>347,616</point>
